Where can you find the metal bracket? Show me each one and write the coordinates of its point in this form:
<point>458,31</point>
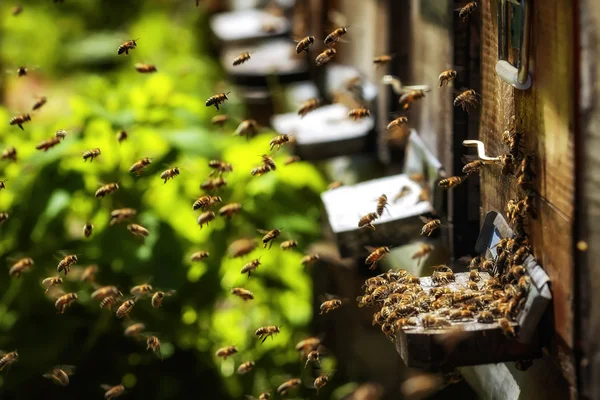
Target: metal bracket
<point>519,76</point>
<point>481,151</point>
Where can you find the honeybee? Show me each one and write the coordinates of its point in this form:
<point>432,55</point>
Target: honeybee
<point>466,99</point>
<point>112,392</point>
<point>199,255</point>
<point>260,170</point>
<point>507,328</point>
<point>248,128</point>
<point>159,296</point>
<point>16,10</point>
<point>47,144</point>
<point>321,381</point>
<point>507,163</point>
<point>325,57</point>
<point>141,290</point>
<point>121,136</point>
<point>336,35</point>
<point>19,120</point>
<point>359,113</point>
<point>138,230</point>
<point>205,202</point>
<point>430,225</point>
<point>264,396</point>
<point>365,301</point>
<point>485,317</point>
<point>382,60</point>
<point>126,46</point>
<point>422,252</point>
<point>134,329</point>
<point>241,247</point>
<point>448,183</point>
<point>138,167</point>
<point>266,331</point>
<point>367,221</point>
<point>219,167</point>
<point>153,344</point>
<point>250,267</point>
<point>397,123</point>
<point>291,160</point>
<point>60,374</point>
<point>512,139</point>
<point>430,321</point>
<point>242,58</point>
<point>460,315</point>
<point>404,323</point>
<point>217,99</point>
<point>473,167</point>
<point>410,97</point>
<point>8,359</point>
<point>50,282</point>
<point>308,345</point>
<point>219,120</point>
<point>246,367</point>
<point>243,294</point>
<point>308,106</point>
<point>230,210</point>
<point>40,103</point>
<point>105,292</point>
<point>64,301</point>
<point>467,10</point>
<point>88,229</point>
<point>3,217</point>
<point>525,173</point>
<point>66,263</point>
<point>288,245</point>
<point>121,214</point>
<point>125,309</point>
<point>310,259</point>
<point>279,141</point>
<point>145,68</point>
<point>205,218</point>
<point>330,305</point>
<point>10,153</point>
<point>313,356</point>
<point>269,236</point>
<point>446,77</point>
<point>376,255</point>
<point>106,190</point>
<point>304,44</point>
<point>169,174</point>
<point>269,162</point>
<point>91,154</point>
<point>108,302</point>
<point>225,352</point>
<point>335,185</point>
<point>286,386</point>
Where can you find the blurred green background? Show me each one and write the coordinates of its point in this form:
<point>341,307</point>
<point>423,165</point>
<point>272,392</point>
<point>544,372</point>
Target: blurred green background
<point>93,93</point>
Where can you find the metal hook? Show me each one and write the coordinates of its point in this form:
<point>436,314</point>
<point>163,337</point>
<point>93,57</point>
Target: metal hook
<point>517,77</point>
<point>481,151</point>
<point>397,86</point>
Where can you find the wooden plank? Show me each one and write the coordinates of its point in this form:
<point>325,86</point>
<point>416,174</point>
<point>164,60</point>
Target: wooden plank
<point>546,115</point>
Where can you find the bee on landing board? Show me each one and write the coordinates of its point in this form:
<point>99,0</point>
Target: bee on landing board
<point>145,68</point>
<point>19,120</point>
<point>325,57</point>
<point>446,77</point>
<point>60,374</point>
<point>266,331</point>
<point>376,255</point>
<point>242,58</point>
<point>304,44</point>
<point>91,154</point>
<point>466,99</point>
<point>430,225</point>
<point>126,46</point>
<point>269,236</point>
<point>217,100</point>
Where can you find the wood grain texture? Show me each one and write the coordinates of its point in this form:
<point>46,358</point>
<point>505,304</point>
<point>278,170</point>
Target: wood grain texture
<point>546,115</point>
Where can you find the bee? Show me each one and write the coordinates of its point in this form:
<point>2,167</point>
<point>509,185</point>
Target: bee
<point>242,58</point>
<point>199,255</point>
<point>336,35</point>
<point>308,106</point>
<point>279,141</point>
<point>430,321</point>
<point>125,309</point>
<point>325,57</point>
<point>205,218</point>
<point>308,345</point>
<point>138,230</point>
<point>3,217</point>
<point>266,331</point>
<point>219,167</point>
<point>330,305</point>
<point>88,230</point>
<point>230,210</point>
<point>446,77</point>
<point>367,221</point>
<point>246,367</point>
<point>2,184</point>
<point>313,356</point>
<point>460,315</point>
<point>219,120</point>
<point>269,236</point>
<point>365,301</point>
<point>121,214</point>
<point>205,202</point>
<point>304,44</point>
<point>60,374</point>
<point>141,290</point>
<point>248,128</point>
<point>422,252</point>
<point>64,301</point>
<point>473,167</point>
<point>241,247</point>
<point>404,323</point>
<point>250,267</point>
<point>108,302</point>
<point>47,144</point>
<point>112,392</point>
<point>376,255</point>
<point>321,381</point>
<point>269,162</point>
<point>359,113</point>
<point>474,275</point>
<point>50,282</point>
<point>525,173</point>
<point>309,259</point>
<point>158,297</point>
<point>16,10</point>
<point>10,153</point>
<point>91,154</point>
<point>517,272</point>
<point>169,174</point>
<point>410,97</point>
<point>430,225</point>
<point>8,359</point>
<point>121,136</point>
<point>448,183</point>
<point>66,263</point>
<point>145,68</point>
<point>40,103</point>
<point>286,386</point>
<point>512,139</point>
<point>335,185</point>
<point>485,317</point>
<point>139,166</point>
<point>382,60</point>
<point>105,190</point>
<point>507,328</point>
<point>134,329</point>
<point>217,99</point>
<point>264,396</point>
<point>153,344</point>
<point>467,10</point>
<point>507,163</point>
<point>105,292</point>
<point>466,99</point>
<point>19,120</point>
<point>397,123</point>
<point>126,46</point>
<point>225,352</point>
<point>243,294</point>
<point>288,245</point>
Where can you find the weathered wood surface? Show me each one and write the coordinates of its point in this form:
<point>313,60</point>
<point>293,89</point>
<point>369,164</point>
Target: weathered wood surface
<point>545,113</point>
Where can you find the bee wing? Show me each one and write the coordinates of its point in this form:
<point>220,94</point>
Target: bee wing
<point>3,353</point>
<point>424,219</point>
<point>47,282</point>
<point>170,292</point>
<point>468,158</point>
<point>370,249</point>
<point>68,369</point>
<point>49,374</point>
<point>106,387</point>
<point>264,232</point>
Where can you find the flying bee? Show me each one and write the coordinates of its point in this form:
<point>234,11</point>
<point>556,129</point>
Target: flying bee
<point>105,292</point>
<point>225,352</point>
<point>359,113</point>
<point>141,290</point>
<point>241,247</point>
<point>246,367</point>
<point>219,120</point>
<point>50,282</point>
<point>466,99</point>
<point>16,10</point>
<point>269,236</point>
<point>507,328</point>
<point>199,255</point>
<point>279,141</point>
<point>8,359</point>
<point>230,210</point>
<point>313,356</point>
<point>19,120</point>
<point>405,191</point>
<point>304,44</point>
<point>65,301</point>
<point>376,255</point>
<point>467,10</point>
<point>381,204</point>
<point>430,321</point>
<point>3,217</point>
<point>446,77</point>
<point>367,221</point>
<point>448,183</point>
<point>335,185</point>
<point>205,218</point>
<point>264,396</point>
<point>159,296</point>
<point>430,225</point>
<point>242,58</point>
<point>47,144</point>
<point>121,214</point>
<point>286,386</point>
<point>266,331</point>
<point>336,35</point>
<point>217,99</point>
<point>145,68</point>
<point>250,267</point>
<point>382,60</point>
<point>321,381</point>
<point>248,128</point>
<point>153,344</point>
<point>66,263</point>
<point>410,97</point>
<point>260,170</point>
<point>204,202</point>
<point>473,167</point>
<point>288,245</point>
<point>112,392</point>
<point>309,259</point>
<point>134,329</point>
<point>330,305</point>
<point>219,167</point>
<point>308,345</point>
<point>169,174</point>
<point>10,153</point>
<point>126,46</point>
<point>138,230</point>
<point>105,190</point>
<point>125,309</point>
<point>422,252</point>
<point>243,294</point>
<point>88,229</point>
<point>138,167</point>
<point>325,57</point>
<point>121,136</point>
<point>308,106</point>
<point>60,374</point>
<point>40,103</point>
<point>269,162</point>
<point>91,154</point>
<point>397,123</point>
<point>2,185</point>
<point>108,302</point>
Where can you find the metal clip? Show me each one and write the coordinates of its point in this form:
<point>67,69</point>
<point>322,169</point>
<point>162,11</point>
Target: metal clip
<point>399,88</point>
<point>519,76</point>
<point>481,151</point>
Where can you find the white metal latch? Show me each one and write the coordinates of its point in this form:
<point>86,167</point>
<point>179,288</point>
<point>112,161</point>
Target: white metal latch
<point>518,76</point>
